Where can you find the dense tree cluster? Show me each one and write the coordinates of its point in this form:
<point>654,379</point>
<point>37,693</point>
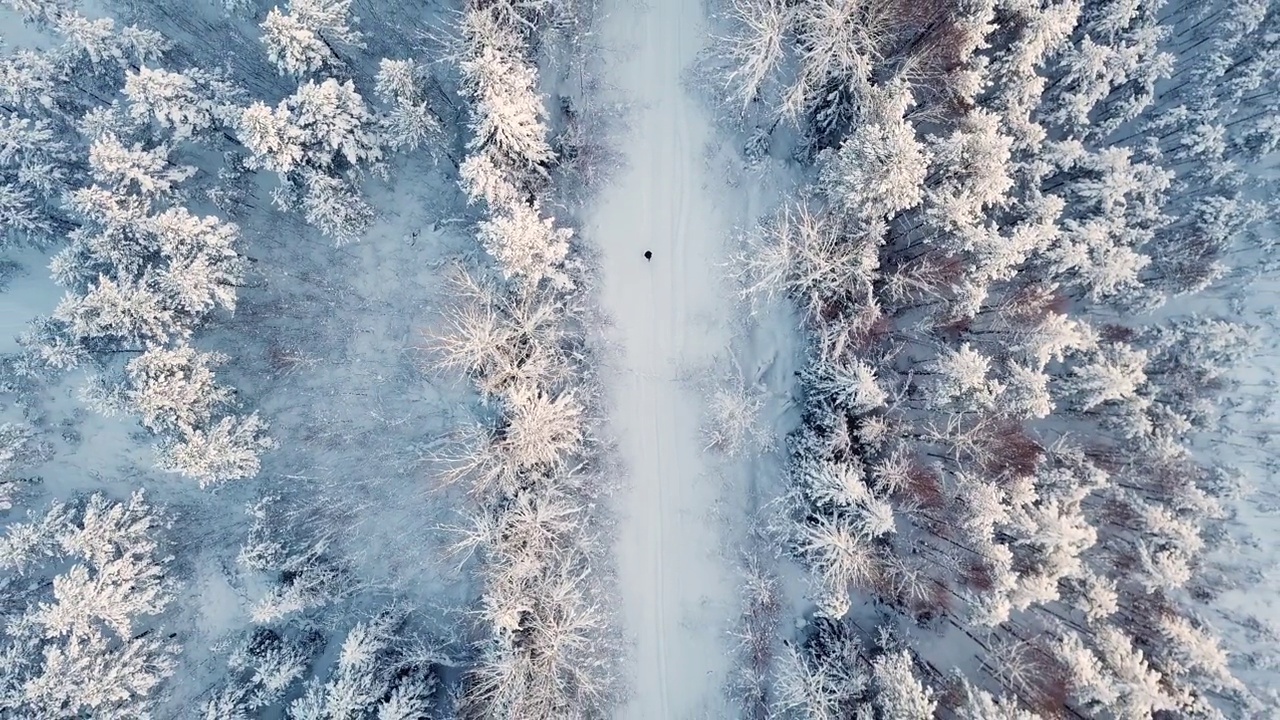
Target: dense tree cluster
<point>996,443</point>
<point>124,158</point>
<point>544,651</point>
<point>142,272</point>
<point>91,130</point>
<point>141,276</point>
<point>45,95</point>
<point>86,585</point>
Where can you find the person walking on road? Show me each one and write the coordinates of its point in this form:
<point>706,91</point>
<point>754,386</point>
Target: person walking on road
<point>648,255</point>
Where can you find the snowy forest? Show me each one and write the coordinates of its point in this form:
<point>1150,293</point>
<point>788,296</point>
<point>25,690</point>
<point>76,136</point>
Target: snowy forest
<point>575,359</point>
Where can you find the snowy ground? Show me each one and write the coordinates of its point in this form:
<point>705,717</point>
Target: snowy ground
<point>674,319</point>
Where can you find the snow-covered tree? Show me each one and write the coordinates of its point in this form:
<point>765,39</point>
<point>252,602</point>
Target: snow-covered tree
<point>980,705</point>
<point>174,389</point>
<point>372,676</point>
<point>539,433</point>
<point>203,268</point>
<point>878,171</point>
<point>838,45</point>
<point>300,39</point>
<point>1115,675</point>
<point>509,118</point>
<point>757,47</point>
<point>963,379</point>
<point>156,276</point>
<point>410,123</point>
<point>228,449</point>
<point>733,424</point>
<point>974,171</point>
<point>316,138</point>
<point>1113,373</point>
<point>20,448</point>
<point>40,12</point>
<point>899,694</point>
<point>528,246</point>
<point>99,40</point>
<point>263,666</point>
<point>294,48</point>
<point>188,102</point>
<point>124,313</point>
<point>77,633</point>
<point>277,144</point>
<point>817,688</point>
<point>802,253</point>
<point>335,207</point>
<point>844,556</point>
<point>333,118</point>
<point>142,273</point>
<point>125,169</point>
<point>320,124</point>
<point>36,165</point>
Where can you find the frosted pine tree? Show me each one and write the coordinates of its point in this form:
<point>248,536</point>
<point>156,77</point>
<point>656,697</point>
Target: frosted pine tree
<point>175,390</point>
<point>379,670</point>
<point>228,449</point>
<point>509,121</point>
<point>134,169</point>
<point>963,379</point>
<point>88,633</point>
<point>36,166</point>
<point>854,386</point>
<point>119,314</point>
<point>372,674</point>
<point>838,43</point>
<point>203,267</point>
<point>94,42</point>
<point>20,449</point>
<point>981,705</point>
<point>30,81</point>
<point>189,102</point>
<point>294,48</point>
<point>335,207</point>
<point>313,139</point>
<point>974,173</point>
<point>1114,373</point>
<point>335,123</point>
<point>529,247</point>
<point>320,124</point>
<point>262,667</point>
<point>899,694</point>
<point>878,171</point>
<point>300,39</point>
<point>272,137</point>
<point>410,123</point>
<point>843,555</point>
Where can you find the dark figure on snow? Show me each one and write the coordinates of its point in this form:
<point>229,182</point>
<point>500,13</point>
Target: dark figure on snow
<point>648,255</point>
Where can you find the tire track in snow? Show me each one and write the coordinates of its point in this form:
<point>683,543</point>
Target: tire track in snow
<point>659,580</point>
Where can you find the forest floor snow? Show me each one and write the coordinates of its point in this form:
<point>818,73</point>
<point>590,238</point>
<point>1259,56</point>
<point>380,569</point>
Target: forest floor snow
<point>674,320</point>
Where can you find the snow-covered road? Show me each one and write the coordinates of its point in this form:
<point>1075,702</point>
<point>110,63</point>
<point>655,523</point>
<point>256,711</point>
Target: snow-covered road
<point>671,317</point>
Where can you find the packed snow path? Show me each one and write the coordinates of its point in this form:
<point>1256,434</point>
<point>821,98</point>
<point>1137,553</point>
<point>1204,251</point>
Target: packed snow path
<point>670,319</point>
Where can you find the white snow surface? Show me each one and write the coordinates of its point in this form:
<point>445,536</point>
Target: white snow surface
<point>673,320</point>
